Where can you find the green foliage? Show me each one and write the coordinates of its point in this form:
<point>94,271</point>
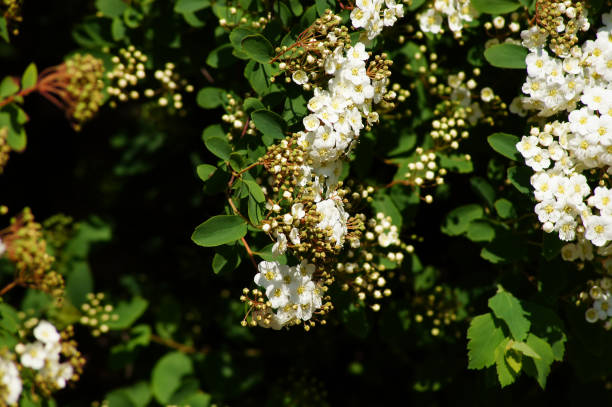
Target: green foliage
<point>495,7</point>
<point>219,230</point>
<point>505,144</point>
<point>506,56</point>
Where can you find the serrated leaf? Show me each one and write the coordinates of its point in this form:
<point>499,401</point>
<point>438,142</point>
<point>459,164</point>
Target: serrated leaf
<point>219,147</point>
<point>508,308</point>
<point>29,77</point>
<point>539,368</point>
<point>525,349</point>
<point>505,374</point>
<point>505,144</point>
<point>258,48</point>
<point>484,337</point>
<point>507,55</point>
<point>219,230</point>
<point>210,97</point>
<point>168,374</point>
<point>495,7</point>
<point>514,360</point>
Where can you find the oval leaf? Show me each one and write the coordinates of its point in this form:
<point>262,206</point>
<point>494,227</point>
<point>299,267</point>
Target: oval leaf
<point>219,230</point>
<point>269,123</point>
<point>505,144</point>
<point>258,48</point>
<point>507,56</point>
<point>495,6</point>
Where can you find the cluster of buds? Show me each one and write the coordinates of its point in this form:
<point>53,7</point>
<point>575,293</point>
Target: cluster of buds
<point>11,11</point>
<point>283,161</point>
<point>502,27</point>
<point>5,149</point>
<point>303,62</point>
<point>171,85</point>
<point>437,309</point>
<point>96,314</point>
<point>424,171</point>
<point>365,270</point>
<point>128,71</point>
<point>27,249</point>
<point>236,117</point>
<point>53,355</point>
<point>560,21</point>
<point>599,299</point>
<point>237,16</point>
<point>74,86</point>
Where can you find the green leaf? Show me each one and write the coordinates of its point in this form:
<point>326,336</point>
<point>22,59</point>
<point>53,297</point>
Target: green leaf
<point>484,335</point>
<point>509,309</point>
<point>219,230</point>
<point>190,6</point>
<point>137,395</point>
<point>483,189</point>
<point>168,374</point>
<point>13,117</point>
<point>4,34</point>
<point>111,8</point>
<point>457,163</point>
<point>520,178</point>
<point>9,319</point>
<point>8,87</point>
<point>495,6</point>
<point>219,147</point>
<point>255,191</point>
<point>252,104</point>
<point>458,220</point>
<point>128,313</point>
<point>205,171</point>
<point>29,77</point>
<point>505,144</point>
<point>539,368</point>
<point>226,259</point>
<point>525,349</point>
<point>323,5</point>
<point>507,56</point>
<point>214,130</point>
<point>383,203</point>
<point>269,123</point>
<point>505,374</point>
<point>480,231</point>
<point>504,208</point>
<point>221,57</point>
<point>210,98</point>
<point>259,76</point>
<point>255,211</point>
<point>118,29</point>
<point>258,48</point>
<point>79,283</point>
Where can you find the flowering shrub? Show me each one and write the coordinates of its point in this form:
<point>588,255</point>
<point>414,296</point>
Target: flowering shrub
<point>387,200</point>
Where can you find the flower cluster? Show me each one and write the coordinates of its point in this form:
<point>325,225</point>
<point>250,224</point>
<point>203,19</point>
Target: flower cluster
<point>457,13</point>
<point>311,215</point>
<point>52,357</point>
<point>43,356</point>
<point>291,293</point>
<point>561,20</point>
<point>373,17</point>
<point>568,156</point>
<point>10,382</point>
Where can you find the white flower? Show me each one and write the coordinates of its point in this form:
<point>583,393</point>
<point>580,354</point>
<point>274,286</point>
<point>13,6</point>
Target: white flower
<point>34,355</point>
<point>294,236</point>
<point>280,247</point>
<point>269,272</point>
<point>300,77</point>
<point>598,229</point>
<point>10,382</point>
<point>311,122</point>
<point>2,248</point>
<point>46,333</point>
<point>528,146</point>
<point>431,21</point>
